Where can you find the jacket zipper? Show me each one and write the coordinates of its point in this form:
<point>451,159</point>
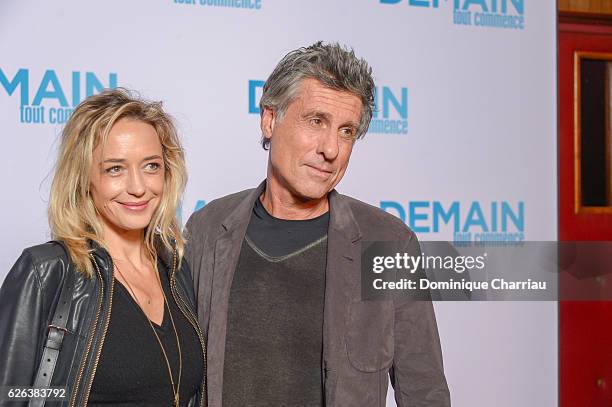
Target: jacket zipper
<point>91,337</point>
<point>182,307</point>
<point>106,323</point>
<point>180,303</point>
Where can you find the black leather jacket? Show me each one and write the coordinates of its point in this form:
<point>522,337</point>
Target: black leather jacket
<point>28,298</point>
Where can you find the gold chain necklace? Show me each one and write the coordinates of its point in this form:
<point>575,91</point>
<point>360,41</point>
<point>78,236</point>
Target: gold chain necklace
<point>175,390</point>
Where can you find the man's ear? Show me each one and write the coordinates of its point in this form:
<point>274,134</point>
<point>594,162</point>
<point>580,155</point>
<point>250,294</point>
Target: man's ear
<point>268,119</point>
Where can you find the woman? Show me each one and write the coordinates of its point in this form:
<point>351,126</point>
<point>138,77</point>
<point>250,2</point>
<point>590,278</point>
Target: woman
<point>106,310</point>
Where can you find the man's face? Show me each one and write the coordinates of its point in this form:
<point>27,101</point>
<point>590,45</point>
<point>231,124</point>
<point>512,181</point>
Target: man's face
<point>311,145</point>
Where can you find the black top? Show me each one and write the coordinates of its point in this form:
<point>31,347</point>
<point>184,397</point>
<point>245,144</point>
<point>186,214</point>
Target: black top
<point>274,339</point>
<point>132,370</point>
<point>279,237</point>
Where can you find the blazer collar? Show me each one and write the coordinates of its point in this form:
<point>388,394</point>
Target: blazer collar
<point>242,213</point>
<point>341,214</point>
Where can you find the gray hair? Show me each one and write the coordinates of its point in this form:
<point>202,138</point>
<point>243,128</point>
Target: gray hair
<point>334,66</point>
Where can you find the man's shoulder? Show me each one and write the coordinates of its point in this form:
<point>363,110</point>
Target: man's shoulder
<point>375,222</point>
<point>214,212</point>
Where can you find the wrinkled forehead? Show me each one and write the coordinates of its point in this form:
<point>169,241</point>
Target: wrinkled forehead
<point>314,95</point>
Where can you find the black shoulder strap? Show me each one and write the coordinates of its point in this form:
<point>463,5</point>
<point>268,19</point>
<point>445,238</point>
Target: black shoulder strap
<point>55,336</point>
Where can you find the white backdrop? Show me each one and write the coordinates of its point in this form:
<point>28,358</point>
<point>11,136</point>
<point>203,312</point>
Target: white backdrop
<point>478,104</point>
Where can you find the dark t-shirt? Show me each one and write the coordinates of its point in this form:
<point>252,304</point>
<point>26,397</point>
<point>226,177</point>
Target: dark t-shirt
<point>274,339</point>
<point>132,370</point>
<point>279,237</point>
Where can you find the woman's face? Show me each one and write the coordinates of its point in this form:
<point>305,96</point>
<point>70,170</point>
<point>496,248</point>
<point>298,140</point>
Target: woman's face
<point>127,176</point>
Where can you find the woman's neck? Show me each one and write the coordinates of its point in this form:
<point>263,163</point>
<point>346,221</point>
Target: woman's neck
<point>127,246</point>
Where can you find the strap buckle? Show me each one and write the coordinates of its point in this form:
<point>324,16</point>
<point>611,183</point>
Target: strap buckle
<point>59,328</point>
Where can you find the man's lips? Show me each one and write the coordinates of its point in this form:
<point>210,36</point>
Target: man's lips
<point>135,206</point>
<point>322,171</point>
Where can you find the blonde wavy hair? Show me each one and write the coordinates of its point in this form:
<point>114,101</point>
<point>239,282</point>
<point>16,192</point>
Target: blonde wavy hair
<point>73,217</point>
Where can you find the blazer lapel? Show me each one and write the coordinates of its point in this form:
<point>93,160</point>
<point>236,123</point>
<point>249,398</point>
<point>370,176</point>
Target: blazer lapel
<point>341,282</point>
<point>227,252</point>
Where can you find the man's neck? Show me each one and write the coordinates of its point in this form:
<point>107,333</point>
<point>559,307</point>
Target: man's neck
<point>288,207</point>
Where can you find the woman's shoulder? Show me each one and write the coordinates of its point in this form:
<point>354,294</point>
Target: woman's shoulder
<point>50,251</point>
<point>45,262</point>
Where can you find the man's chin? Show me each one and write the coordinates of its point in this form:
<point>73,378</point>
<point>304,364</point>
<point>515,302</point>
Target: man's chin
<point>312,195</point>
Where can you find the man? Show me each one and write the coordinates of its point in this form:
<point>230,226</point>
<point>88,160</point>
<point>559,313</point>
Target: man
<point>277,268</point>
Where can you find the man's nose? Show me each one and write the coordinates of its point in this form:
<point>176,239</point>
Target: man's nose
<point>328,145</point>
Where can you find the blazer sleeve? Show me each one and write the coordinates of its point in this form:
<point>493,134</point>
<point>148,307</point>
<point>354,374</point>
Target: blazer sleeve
<point>21,323</point>
<point>417,373</point>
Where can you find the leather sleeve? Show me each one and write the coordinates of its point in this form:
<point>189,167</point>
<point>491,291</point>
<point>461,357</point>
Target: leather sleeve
<point>192,255</point>
<point>22,323</point>
<point>417,373</point>
<point>186,283</point>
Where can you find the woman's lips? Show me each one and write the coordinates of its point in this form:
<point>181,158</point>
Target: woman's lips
<point>135,206</point>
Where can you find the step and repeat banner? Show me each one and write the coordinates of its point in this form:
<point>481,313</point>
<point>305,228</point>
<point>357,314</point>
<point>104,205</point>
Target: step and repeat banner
<point>462,147</point>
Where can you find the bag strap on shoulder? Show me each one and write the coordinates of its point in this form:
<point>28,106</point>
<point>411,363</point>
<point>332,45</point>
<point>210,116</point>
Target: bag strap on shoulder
<point>55,335</point>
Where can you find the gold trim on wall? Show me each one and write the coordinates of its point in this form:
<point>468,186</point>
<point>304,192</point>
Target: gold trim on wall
<point>578,208</point>
<point>585,6</point>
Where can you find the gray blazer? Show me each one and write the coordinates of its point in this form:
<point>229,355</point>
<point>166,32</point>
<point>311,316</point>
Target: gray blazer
<point>363,341</point>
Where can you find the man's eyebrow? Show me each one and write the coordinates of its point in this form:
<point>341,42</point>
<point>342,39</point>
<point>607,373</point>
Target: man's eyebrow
<point>316,113</point>
<point>351,124</point>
